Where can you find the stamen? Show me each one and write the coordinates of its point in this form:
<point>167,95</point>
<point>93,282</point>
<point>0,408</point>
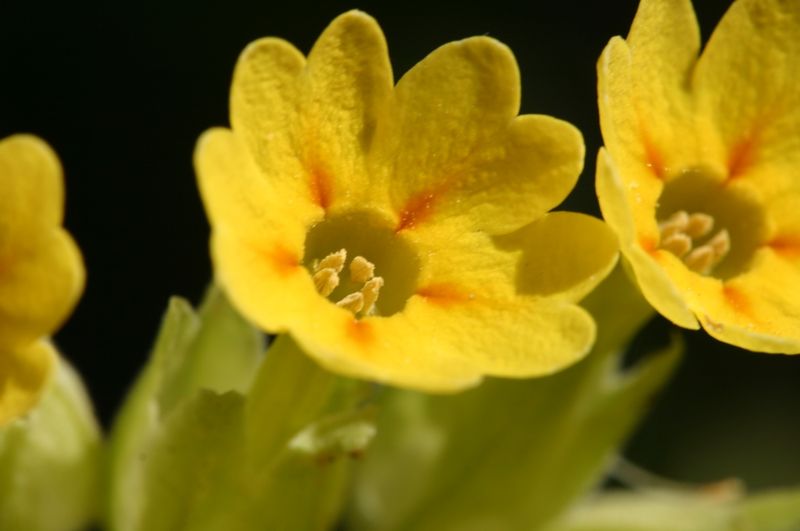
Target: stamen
<point>334,261</point>
<point>721,243</point>
<point>700,260</point>
<point>361,270</point>
<point>370,291</point>
<point>704,258</point>
<point>678,235</point>
<point>326,280</point>
<point>678,244</point>
<point>699,225</point>
<point>353,302</point>
<point>326,276</point>
<point>677,222</point>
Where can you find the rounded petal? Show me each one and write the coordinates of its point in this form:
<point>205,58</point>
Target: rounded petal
<point>564,255</point>
<point>746,84</point>
<point>239,197</point>
<point>659,290</point>
<point>758,310</point>
<point>347,89</point>
<point>39,286</point>
<point>453,132</point>
<point>24,373</point>
<point>265,114</point>
<point>32,197</point>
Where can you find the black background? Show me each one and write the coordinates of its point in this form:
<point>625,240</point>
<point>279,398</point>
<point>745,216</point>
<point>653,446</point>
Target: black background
<point>122,91</point>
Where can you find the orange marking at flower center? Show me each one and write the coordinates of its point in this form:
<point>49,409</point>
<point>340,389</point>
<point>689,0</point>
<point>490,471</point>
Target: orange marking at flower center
<point>418,208</point>
<point>787,246</point>
<point>737,300</point>
<point>445,294</point>
<point>321,189</point>
<point>282,260</point>
<point>653,158</point>
<point>741,156</point>
<point>360,331</point>
<point>648,244</point>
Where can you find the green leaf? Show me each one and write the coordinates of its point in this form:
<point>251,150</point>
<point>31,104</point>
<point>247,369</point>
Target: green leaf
<point>510,454</point>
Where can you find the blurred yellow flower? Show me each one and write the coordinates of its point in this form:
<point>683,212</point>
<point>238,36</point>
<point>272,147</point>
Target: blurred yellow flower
<point>700,175</point>
<point>375,224</point>
<point>41,272</point>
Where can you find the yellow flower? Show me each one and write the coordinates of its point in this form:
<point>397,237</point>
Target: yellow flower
<point>365,219</point>
<point>700,176</point>
<point>41,272</point>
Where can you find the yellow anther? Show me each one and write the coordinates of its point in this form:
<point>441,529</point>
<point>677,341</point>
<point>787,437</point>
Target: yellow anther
<point>370,291</point>
<point>333,261</point>
<point>678,244</point>
<point>720,243</point>
<point>701,260</point>
<point>361,270</point>
<point>353,302</point>
<point>326,281</point>
<point>699,225</point>
<point>676,223</point>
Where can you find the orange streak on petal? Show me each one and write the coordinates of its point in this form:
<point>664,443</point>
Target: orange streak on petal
<point>283,261</point>
<point>445,294</point>
<point>360,332</point>
<point>321,189</point>
<point>787,246</point>
<point>418,208</point>
<point>741,156</point>
<point>648,244</point>
<point>654,160</point>
<point>737,300</point>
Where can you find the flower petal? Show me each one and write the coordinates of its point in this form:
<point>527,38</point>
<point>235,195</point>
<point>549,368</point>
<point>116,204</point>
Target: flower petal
<point>518,338</point>
<point>265,114</point>
<point>239,197</point>
<point>39,286</point>
<point>758,310</point>
<point>643,97</point>
<point>564,255</point>
<point>656,286</point>
<point>348,87</point>
<point>746,83</point>
<point>24,372</point>
<point>32,197</point>
<point>454,137</point>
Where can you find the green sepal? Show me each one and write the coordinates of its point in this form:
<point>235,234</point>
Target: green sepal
<point>264,442</point>
<point>685,510</point>
<point>511,455</point>
<point>50,460</point>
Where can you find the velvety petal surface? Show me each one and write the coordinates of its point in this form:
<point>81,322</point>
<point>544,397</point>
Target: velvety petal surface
<point>746,84</point>
<point>640,252</point>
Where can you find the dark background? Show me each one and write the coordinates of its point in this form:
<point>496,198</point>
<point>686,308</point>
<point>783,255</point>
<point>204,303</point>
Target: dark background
<point>122,91</point>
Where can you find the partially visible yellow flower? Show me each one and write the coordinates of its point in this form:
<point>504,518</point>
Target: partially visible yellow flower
<point>364,219</point>
<point>700,176</point>
<point>41,272</point>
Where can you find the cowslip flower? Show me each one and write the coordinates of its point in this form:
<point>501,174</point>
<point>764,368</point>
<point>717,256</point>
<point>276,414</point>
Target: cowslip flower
<point>374,223</point>
<point>41,271</point>
<point>699,175</point>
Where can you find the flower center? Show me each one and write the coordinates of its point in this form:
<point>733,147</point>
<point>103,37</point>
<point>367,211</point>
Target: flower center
<point>714,228</point>
<point>362,273</point>
<point>361,263</point>
<point>681,233</point>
